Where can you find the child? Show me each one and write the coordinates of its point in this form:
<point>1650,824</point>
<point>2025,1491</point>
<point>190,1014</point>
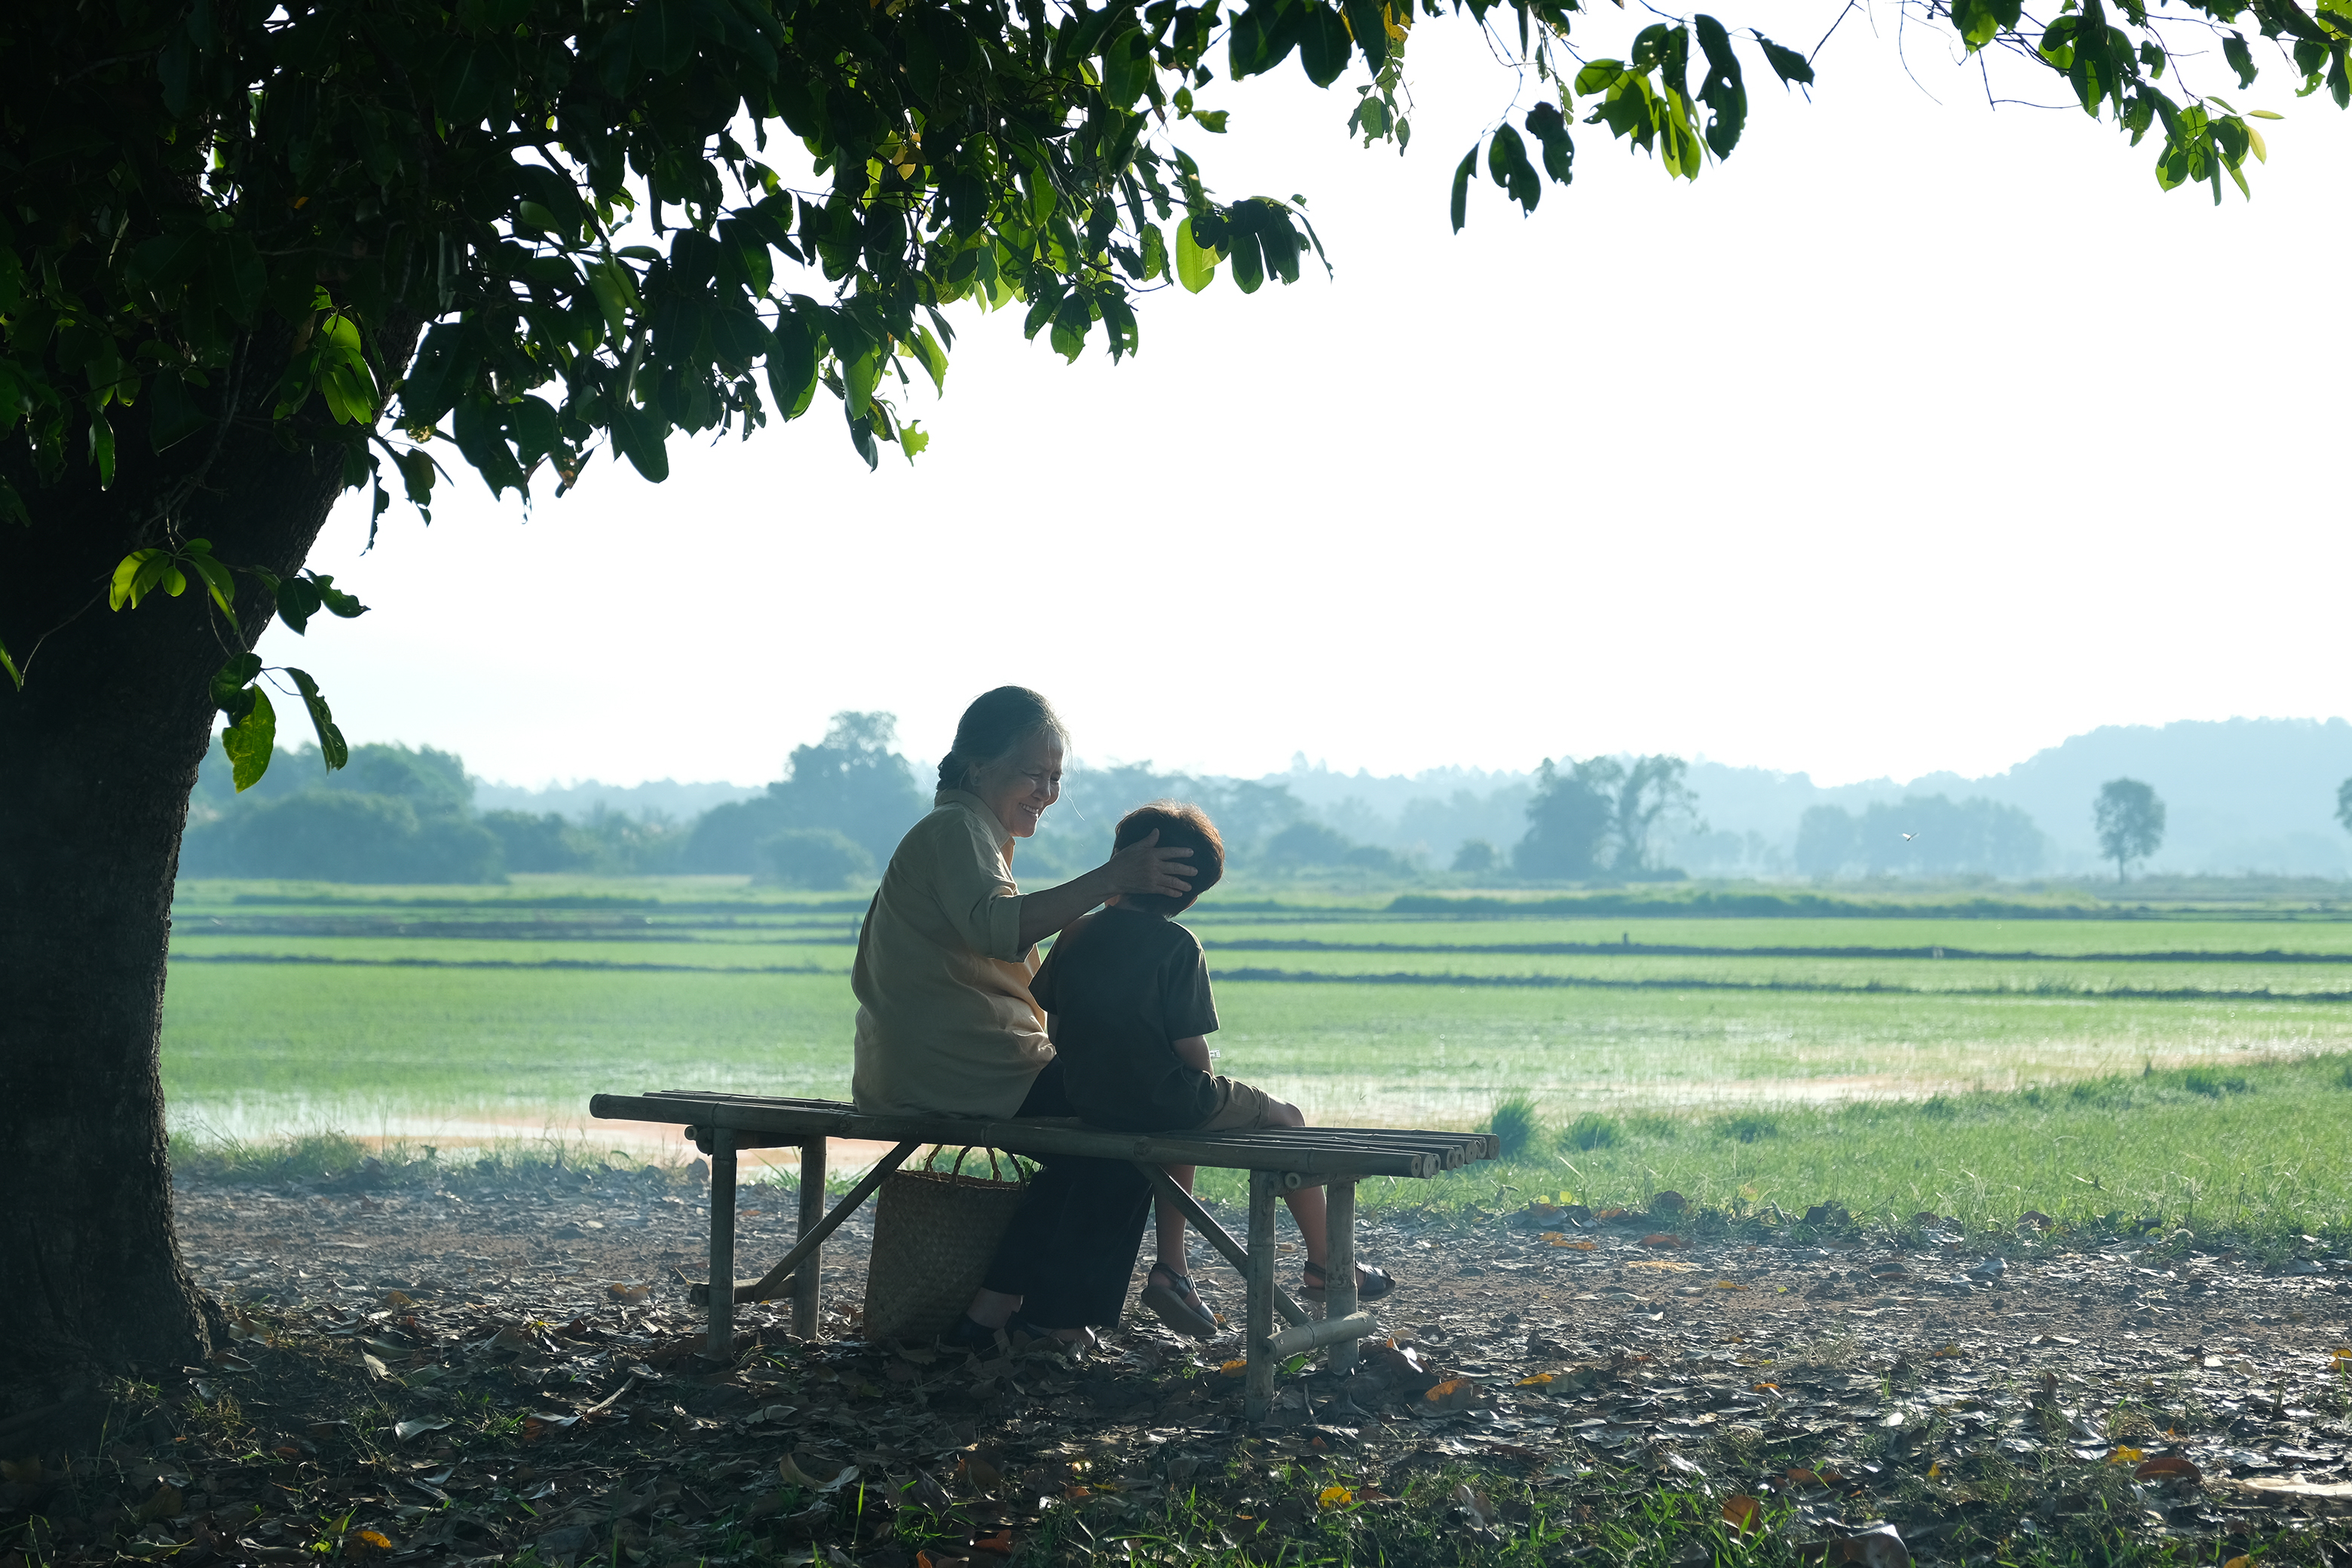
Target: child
<point>1127,994</point>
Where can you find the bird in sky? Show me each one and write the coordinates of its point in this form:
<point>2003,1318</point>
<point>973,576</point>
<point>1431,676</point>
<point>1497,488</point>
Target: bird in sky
<point>1908,837</point>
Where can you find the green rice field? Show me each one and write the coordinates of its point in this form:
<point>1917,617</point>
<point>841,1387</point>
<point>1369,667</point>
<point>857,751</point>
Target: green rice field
<point>1895,1055</point>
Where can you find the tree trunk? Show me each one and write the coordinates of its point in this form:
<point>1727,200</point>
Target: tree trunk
<point>98,756</point>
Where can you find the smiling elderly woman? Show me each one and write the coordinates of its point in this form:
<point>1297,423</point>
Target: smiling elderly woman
<point>945,1021</point>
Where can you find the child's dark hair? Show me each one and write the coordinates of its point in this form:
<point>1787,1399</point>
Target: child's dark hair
<point>1179,826</point>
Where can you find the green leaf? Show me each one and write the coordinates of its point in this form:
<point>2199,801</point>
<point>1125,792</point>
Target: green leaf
<point>231,679</point>
<point>9,664</point>
<point>1786,63</point>
<point>1249,263</point>
<point>859,379</point>
<point>640,435</point>
<point>1324,45</point>
<point>1462,172</point>
<point>1506,162</point>
<point>2240,58</point>
<point>218,581</point>
<point>1550,128</point>
<point>101,447</point>
<point>172,415</point>
<point>933,357</point>
<point>332,748</point>
<point>1721,89</point>
<point>791,364</point>
<point>298,600</point>
<point>1196,268</point>
<point>1597,77</point>
<point>1979,21</point>
<point>249,742</point>
<point>127,587</point>
<point>342,605</point>
<point>1367,19</point>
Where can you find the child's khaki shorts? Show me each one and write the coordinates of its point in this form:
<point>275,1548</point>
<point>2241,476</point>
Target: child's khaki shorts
<point>1240,1106</point>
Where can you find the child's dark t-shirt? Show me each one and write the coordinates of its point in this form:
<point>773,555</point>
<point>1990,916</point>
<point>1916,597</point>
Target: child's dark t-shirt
<point>1123,985</point>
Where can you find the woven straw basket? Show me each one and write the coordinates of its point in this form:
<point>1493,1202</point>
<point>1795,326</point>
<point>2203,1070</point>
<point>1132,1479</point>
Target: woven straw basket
<point>934,1233</point>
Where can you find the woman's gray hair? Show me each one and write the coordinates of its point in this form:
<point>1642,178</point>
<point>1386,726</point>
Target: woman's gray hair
<point>996,722</point>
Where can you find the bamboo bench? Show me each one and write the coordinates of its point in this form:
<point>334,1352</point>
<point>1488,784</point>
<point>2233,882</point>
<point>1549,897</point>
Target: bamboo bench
<point>1276,1159</point>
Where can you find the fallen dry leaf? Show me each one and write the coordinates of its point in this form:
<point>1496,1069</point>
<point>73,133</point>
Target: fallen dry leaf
<point>793,1475</point>
<point>2124,1455</point>
<point>22,1472</point>
<point>630,1295</point>
<point>1537,1381</point>
<point>1879,1546</point>
<point>1744,1514</point>
<point>1475,1504</point>
<point>1000,1543</point>
<point>1454,1394</point>
<point>1330,1497</point>
<point>375,1539</point>
<point>166,1502</point>
<point>1555,1239</point>
<point>979,1472</point>
<point>1664,1238</point>
<point>1235,1368</point>
<point>2168,1465</point>
<point>1730,1285</point>
<point>2332,1495</point>
<point>1668,1267</point>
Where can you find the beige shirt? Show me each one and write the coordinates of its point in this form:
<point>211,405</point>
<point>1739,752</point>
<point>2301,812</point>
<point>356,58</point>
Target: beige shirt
<point>945,1021</point>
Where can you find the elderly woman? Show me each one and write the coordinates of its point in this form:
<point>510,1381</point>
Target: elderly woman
<point>946,1024</point>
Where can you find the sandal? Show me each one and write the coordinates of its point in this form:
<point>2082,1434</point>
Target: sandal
<point>1371,1283</point>
<point>969,1334</point>
<point>1177,1304</point>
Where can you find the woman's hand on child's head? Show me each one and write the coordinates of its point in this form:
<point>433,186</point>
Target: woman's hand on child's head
<point>1144,868</point>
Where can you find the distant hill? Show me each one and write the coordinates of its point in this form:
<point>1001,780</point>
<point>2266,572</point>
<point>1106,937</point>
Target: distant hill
<point>662,799</point>
<point>2241,794</point>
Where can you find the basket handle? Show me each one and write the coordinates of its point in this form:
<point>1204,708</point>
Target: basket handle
<point>931,1162</point>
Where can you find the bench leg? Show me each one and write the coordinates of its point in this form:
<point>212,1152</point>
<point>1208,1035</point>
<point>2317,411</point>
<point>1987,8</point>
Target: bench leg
<point>811,1267</point>
<point>721,1344</point>
<point>1217,1236</point>
<point>1257,1391</point>
<point>1340,1266</point>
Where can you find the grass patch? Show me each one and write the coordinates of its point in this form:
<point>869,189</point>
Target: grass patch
<point>1592,1131</point>
<point>2256,1167</point>
<point>1518,1127</point>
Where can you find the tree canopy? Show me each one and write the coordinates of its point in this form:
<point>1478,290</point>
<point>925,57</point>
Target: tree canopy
<point>408,236</point>
<point>2129,820</point>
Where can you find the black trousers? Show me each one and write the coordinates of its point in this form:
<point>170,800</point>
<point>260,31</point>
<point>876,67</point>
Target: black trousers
<point>1070,1251</point>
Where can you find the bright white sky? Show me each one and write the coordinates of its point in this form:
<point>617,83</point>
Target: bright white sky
<point>1918,436</point>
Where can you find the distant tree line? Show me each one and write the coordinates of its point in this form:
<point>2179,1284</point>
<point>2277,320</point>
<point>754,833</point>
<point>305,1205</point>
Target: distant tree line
<point>398,815</point>
<point>1919,835</point>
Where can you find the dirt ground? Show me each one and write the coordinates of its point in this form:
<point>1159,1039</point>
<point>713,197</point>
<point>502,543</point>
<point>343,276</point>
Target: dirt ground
<point>510,1372</point>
